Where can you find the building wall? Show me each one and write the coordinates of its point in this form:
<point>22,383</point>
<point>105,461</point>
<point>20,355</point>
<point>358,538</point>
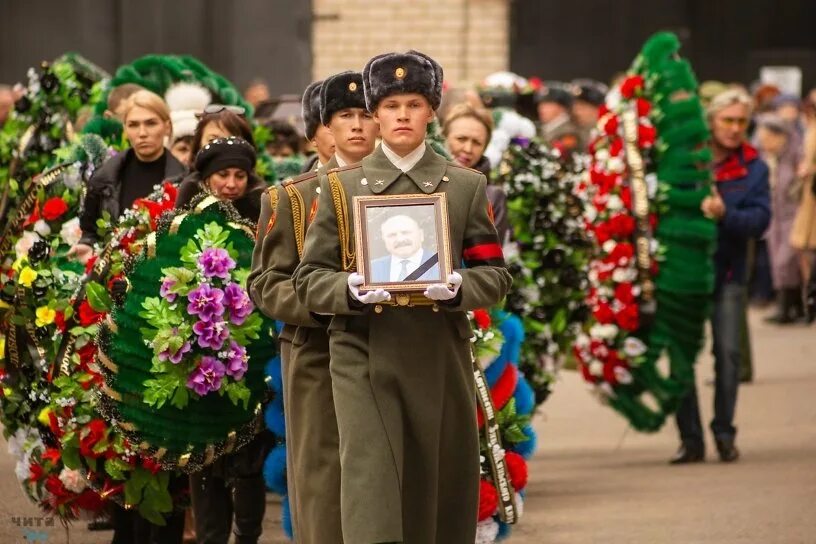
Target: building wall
<point>469,38</point>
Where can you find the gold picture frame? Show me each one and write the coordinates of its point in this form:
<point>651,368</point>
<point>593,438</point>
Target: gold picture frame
<point>402,236</point>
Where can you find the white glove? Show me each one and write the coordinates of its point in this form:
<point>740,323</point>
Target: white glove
<point>355,280</point>
<point>440,291</point>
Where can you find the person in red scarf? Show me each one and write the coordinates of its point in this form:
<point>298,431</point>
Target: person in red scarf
<point>742,209</point>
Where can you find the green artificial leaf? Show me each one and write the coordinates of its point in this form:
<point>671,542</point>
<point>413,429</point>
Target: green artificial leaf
<point>250,330</point>
<point>181,398</point>
<point>559,321</point>
<point>116,468</point>
<point>160,390</point>
<point>238,393</point>
<point>513,434</point>
<point>98,297</point>
<point>71,459</point>
<point>190,252</point>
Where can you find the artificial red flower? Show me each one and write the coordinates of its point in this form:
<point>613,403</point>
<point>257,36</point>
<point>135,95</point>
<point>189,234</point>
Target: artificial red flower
<point>150,464</point>
<point>631,86</point>
<point>623,293</point>
<point>54,485</point>
<point>59,319</point>
<point>86,354</point>
<point>646,136</point>
<point>35,471</point>
<point>622,226</point>
<point>602,110</point>
<point>90,501</point>
<point>603,314</point>
<point>488,500</point>
<point>628,318</point>
<point>51,454</point>
<point>626,196</point>
<point>613,367</point>
<point>53,424</point>
<point>643,107</point>
<point>54,208</point>
<point>90,264</point>
<point>622,252</point>
<point>535,83</point>
<point>615,146</point>
<point>87,315</point>
<point>611,125</point>
<point>90,436</point>
<point>588,377</point>
<point>603,232</point>
<point>517,467</point>
<point>482,318</point>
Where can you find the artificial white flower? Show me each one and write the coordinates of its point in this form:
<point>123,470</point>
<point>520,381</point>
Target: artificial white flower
<point>602,155</point>
<point>71,232</point>
<point>634,347</point>
<point>614,202</point>
<point>596,368</point>
<point>23,469</point>
<point>25,242</point>
<point>72,480</point>
<point>42,228</point>
<point>604,332</point>
<point>616,165</point>
<point>651,184</point>
<point>624,275</point>
<point>487,531</point>
<point>622,375</point>
<point>609,246</point>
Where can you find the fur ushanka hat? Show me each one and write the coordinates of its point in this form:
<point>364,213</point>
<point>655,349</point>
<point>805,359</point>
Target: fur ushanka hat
<point>311,108</point>
<point>341,91</point>
<point>400,73</point>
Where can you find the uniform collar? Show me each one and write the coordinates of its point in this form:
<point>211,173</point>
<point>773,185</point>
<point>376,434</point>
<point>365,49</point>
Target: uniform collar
<point>339,160</point>
<point>427,173</point>
<point>407,162</point>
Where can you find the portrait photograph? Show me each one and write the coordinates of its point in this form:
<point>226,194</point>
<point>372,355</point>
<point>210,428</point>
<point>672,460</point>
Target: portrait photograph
<point>402,242</point>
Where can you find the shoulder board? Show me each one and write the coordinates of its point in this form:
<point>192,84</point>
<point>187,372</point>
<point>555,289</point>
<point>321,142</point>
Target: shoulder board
<point>303,177</point>
<point>457,165</point>
<point>345,168</point>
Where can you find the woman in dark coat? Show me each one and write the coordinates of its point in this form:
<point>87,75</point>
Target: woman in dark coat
<point>233,489</point>
<point>133,173</point>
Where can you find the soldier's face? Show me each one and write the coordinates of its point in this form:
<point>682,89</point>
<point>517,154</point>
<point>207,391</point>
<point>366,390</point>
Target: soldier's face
<point>324,143</point>
<point>355,133</point>
<point>547,111</point>
<point>402,236</point>
<point>585,113</point>
<point>403,119</point>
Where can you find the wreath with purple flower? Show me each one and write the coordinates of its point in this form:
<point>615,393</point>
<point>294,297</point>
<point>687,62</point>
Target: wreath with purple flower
<point>199,324</point>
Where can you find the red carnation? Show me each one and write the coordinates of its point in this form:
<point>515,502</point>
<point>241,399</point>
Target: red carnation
<point>89,500</point>
<point>54,208</point>
<point>628,317</point>
<point>622,226</point>
<point>646,136</point>
<point>603,232</point>
<point>586,374</point>
<point>604,314</point>
<point>643,107</point>
<point>602,110</point>
<point>631,86</point>
<point>51,454</point>
<point>35,471</point>
<point>615,146</point>
<point>609,368</point>
<point>92,434</point>
<point>482,318</point>
<point>88,316</point>
<point>622,252</point>
<point>59,319</point>
<point>488,500</point>
<point>611,125</point>
<point>623,293</point>
<point>151,465</point>
<point>517,467</point>
<point>626,196</point>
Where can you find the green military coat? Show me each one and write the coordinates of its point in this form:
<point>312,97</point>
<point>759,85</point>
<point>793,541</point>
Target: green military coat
<point>402,376</point>
<point>312,444</point>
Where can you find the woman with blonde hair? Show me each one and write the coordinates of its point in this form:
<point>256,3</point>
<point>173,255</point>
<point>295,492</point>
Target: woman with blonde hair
<point>130,175</point>
<point>803,233</point>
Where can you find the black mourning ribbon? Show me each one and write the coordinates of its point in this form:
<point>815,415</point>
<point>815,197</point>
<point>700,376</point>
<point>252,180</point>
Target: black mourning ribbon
<point>424,267</point>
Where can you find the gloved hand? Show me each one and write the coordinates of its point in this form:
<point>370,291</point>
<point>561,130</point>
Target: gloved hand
<point>440,291</point>
<point>355,280</point>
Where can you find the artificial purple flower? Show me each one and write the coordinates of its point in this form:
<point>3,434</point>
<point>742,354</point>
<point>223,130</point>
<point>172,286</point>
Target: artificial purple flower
<point>215,262</point>
<point>164,290</point>
<point>207,376</point>
<point>238,303</point>
<point>211,334</point>
<point>205,302</point>
<point>176,357</point>
<point>236,359</point>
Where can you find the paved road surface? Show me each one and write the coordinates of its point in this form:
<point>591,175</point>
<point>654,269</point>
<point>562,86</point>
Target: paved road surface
<point>593,482</point>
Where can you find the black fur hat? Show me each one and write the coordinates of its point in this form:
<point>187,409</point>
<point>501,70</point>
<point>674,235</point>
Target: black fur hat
<point>311,108</point>
<point>398,73</point>
<point>555,91</point>
<point>589,90</point>
<point>341,91</point>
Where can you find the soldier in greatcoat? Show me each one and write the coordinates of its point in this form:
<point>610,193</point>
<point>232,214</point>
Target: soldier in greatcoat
<point>401,367</point>
<point>313,464</point>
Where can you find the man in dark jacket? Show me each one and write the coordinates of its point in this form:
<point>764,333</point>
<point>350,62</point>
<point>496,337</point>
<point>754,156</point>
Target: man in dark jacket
<point>741,206</point>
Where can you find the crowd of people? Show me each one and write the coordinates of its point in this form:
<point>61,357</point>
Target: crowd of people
<point>377,383</point>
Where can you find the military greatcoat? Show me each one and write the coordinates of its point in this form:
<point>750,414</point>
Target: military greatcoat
<point>402,376</point>
<point>312,447</point>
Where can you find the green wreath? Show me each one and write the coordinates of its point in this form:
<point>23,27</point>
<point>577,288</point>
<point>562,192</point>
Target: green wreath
<point>651,276</point>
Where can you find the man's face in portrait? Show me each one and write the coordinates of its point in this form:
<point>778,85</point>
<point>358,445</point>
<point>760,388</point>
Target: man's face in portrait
<point>402,236</point>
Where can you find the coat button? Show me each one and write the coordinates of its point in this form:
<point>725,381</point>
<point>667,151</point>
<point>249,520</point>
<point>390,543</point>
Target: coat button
<point>364,181</point>
<point>378,309</point>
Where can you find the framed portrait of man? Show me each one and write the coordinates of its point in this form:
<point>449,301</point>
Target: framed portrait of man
<point>403,242</point>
